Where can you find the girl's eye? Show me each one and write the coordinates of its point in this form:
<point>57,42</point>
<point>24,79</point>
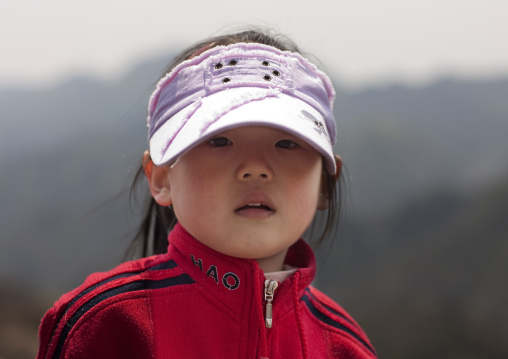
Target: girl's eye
<point>220,142</point>
<point>287,144</point>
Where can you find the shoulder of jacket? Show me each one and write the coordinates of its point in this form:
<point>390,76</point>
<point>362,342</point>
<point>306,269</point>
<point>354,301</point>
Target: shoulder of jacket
<point>132,279</point>
<point>336,319</point>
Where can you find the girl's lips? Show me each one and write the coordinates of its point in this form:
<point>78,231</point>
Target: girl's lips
<point>255,211</point>
<point>255,205</point>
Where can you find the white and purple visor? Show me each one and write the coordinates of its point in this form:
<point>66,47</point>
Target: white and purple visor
<point>240,85</point>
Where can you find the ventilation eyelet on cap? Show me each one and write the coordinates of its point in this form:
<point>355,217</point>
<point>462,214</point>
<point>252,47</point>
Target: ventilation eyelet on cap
<point>232,62</point>
<point>276,73</point>
<point>267,77</point>
<point>226,79</point>
<point>265,63</point>
<point>218,66</point>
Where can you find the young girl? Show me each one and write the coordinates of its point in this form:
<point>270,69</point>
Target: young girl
<point>241,135</point>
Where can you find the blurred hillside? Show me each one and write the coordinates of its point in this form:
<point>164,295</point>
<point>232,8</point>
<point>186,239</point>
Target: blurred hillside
<point>399,141</point>
<point>429,279</point>
<point>420,259</point>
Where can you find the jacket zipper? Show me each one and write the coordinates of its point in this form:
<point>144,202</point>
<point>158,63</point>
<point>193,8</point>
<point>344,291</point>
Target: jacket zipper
<point>270,286</point>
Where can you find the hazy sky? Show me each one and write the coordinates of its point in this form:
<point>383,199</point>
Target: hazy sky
<point>359,41</point>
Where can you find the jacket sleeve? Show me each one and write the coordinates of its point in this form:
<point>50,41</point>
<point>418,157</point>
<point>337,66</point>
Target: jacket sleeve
<point>117,328</point>
<point>344,337</point>
<point>48,330</point>
<point>107,316</point>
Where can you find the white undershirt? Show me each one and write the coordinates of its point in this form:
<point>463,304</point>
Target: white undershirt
<point>280,276</point>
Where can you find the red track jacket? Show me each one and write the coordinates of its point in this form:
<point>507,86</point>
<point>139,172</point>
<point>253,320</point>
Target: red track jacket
<point>194,302</point>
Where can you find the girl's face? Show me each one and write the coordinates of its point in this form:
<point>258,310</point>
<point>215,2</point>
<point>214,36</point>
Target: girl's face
<point>248,192</point>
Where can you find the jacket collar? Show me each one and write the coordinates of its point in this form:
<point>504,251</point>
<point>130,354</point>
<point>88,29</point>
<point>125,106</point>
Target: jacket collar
<point>236,282</point>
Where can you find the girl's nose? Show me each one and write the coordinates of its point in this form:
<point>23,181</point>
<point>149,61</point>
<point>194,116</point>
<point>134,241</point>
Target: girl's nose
<point>254,167</point>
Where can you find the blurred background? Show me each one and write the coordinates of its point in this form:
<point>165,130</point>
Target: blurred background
<point>422,117</point>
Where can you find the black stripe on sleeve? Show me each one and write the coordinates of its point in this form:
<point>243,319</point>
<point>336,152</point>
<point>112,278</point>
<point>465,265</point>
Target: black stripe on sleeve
<point>334,311</point>
<point>126,288</point>
<point>327,320</point>
<point>164,265</point>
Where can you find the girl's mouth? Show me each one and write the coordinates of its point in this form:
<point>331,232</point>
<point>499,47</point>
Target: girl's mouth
<point>255,210</point>
<point>257,205</point>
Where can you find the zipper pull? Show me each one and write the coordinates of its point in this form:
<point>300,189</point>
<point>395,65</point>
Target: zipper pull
<point>270,286</point>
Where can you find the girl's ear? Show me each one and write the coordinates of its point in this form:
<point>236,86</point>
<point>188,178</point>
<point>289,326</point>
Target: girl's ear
<point>338,163</point>
<point>158,181</point>
<point>324,195</point>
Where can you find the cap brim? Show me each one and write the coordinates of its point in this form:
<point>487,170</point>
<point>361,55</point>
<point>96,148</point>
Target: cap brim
<point>229,109</point>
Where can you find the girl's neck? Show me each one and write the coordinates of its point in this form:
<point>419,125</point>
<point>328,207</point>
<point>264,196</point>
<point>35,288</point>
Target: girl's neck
<point>274,263</point>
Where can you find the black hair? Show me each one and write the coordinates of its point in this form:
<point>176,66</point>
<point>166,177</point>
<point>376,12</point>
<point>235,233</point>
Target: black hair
<point>158,221</point>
